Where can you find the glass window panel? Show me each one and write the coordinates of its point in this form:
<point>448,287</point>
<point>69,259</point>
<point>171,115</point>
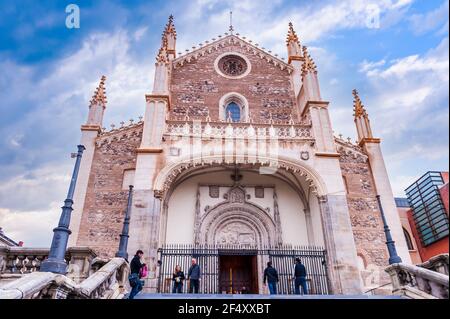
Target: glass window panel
<point>234,111</point>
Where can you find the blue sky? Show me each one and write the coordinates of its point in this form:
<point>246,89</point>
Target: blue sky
<point>48,74</point>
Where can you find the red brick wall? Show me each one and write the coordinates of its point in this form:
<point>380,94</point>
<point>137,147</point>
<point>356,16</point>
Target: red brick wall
<point>196,86</point>
<point>105,204</point>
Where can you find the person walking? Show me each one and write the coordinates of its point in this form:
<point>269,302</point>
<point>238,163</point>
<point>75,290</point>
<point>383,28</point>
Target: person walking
<point>178,278</point>
<point>194,277</point>
<point>300,277</point>
<point>271,278</point>
<point>135,276</point>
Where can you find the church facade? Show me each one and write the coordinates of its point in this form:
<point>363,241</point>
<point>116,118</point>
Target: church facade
<point>235,163</point>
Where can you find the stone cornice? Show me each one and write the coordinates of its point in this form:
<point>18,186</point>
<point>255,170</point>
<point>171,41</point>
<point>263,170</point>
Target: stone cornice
<point>309,104</point>
<point>158,97</point>
<point>95,128</point>
<point>149,150</point>
<point>230,40</point>
<point>327,154</point>
<point>295,58</point>
<point>369,140</point>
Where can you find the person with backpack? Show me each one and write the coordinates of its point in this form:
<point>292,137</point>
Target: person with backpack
<point>271,278</point>
<point>135,274</point>
<point>300,277</point>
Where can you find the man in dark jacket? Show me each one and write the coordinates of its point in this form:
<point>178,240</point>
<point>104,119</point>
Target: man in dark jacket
<point>271,278</point>
<point>300,277</point>
<point>194,277</point>
<point>135,268</point>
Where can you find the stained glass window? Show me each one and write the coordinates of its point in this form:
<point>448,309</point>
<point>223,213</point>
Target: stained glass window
<point>234,111</point>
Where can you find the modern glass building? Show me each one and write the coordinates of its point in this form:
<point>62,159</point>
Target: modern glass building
<point>428,209</point>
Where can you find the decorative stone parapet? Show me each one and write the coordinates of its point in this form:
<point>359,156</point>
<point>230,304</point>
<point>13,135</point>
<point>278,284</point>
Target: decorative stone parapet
<point>24,260</point>
<point>238,130</point>
<point>109,282</point>
<point>437,263</point>
<point>417,282</point>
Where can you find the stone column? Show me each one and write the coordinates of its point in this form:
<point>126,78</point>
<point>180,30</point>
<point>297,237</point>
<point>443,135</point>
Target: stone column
<point>383,188</point>
<point>343,272</point>
<point>88,136</point>
<point>309,227</point>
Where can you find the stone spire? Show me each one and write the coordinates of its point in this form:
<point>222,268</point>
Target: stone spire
<point>99,97</point>
<point>292,35</point>
<point>169,39</point>
<point>362,122</point>
<point>358,107</point>
<point>293,44</point>
<point>308,64</point>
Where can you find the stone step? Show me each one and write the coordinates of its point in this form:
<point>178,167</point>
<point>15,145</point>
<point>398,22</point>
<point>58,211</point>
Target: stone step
<point>268,297</point>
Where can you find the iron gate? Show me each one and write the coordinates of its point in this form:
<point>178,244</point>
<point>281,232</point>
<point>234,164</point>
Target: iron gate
<point>283,259</point>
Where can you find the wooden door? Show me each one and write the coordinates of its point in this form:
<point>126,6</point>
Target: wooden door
<point>237,274</point>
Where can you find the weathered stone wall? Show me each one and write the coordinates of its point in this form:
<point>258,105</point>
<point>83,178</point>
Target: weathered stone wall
<point>106,201</point>
<point>365,215</point>
<point>197,87</point>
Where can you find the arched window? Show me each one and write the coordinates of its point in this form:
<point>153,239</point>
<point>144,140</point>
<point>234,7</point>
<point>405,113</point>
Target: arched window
<point>408,240</point>
<point>233,110</point>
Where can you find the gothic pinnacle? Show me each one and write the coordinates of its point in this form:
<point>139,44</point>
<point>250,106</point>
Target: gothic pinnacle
<point>99,96</point>
<point>292,36</point>
<point>170,28</point>
<point>308,64</point>
<point>358,107</point>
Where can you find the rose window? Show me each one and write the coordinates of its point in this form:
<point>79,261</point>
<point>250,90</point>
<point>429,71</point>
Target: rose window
<point>232,65</point>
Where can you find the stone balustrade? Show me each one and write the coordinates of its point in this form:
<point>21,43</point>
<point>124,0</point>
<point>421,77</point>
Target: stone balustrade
<point>437,263</point>
<point>17,261</point>
<point>238,130</point>
<point>109,282</point>
<point>417,282</point>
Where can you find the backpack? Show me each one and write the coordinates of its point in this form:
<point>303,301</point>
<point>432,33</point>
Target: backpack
<point>143,272</point>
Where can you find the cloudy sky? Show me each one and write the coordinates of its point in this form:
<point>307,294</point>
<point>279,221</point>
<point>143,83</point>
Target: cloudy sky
<point>395,52</point>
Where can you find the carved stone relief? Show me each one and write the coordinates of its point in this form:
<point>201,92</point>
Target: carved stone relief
<point>236,233</point>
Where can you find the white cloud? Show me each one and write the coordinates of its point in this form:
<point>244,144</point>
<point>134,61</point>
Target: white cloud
<point>36,179</point>
<point>34,228</point>
<point>430,21</point>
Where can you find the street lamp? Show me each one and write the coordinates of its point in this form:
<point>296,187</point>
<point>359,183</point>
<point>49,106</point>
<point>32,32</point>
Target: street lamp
<point>123,245</point>
<point>55,262</point>
<point>390,243</point>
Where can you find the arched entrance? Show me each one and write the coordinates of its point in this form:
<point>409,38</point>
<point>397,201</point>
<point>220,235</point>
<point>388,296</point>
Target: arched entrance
<point>241,218</point>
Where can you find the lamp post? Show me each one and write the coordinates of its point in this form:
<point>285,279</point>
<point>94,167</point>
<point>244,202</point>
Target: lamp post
<point>123,245</point>
<point>55,262</point>
<point>393,257</point>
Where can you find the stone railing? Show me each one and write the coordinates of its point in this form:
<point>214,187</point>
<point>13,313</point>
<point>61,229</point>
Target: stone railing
<point>17,261</point>
<point>417,282</point>
<point>437,263</point>
<point>238,130</point>
<point>109,282</point>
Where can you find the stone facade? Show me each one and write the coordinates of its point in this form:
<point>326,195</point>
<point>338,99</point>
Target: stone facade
<point>196,87</point>
<point>106,200</point>
<point>300,185</point>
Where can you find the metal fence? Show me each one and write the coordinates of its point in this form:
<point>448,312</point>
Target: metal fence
<point>208,257</point>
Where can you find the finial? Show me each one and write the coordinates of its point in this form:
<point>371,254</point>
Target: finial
<point>308,64</point>
<point>99,96</point>
<point>358,107</point>
<point>170,27</point>
<point>231,29</point>
<point>292,36</point>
